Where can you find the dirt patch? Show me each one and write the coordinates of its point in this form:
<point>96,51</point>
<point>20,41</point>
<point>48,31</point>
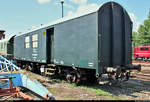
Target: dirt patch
<point>127,91</point>
<point>134,89</point>
<point>66,92</point>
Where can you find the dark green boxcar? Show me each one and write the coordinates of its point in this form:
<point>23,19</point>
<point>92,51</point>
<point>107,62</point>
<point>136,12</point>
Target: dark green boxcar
<point>95,40</point>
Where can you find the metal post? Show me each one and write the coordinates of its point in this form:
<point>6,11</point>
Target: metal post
<point>62,2</point>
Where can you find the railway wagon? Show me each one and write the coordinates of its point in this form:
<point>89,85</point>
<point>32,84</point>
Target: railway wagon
<point>95,44</point>
<point>141,52</point>
<point>6,46</point>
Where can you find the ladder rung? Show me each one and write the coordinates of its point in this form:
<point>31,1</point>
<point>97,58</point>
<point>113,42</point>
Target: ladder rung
<point>51,65</point>
<point>50,69</point>
<point>49,73</point>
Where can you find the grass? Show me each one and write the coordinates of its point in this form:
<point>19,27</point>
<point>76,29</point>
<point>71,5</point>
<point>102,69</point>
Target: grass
<point>63,81</point>
<point>130,86</point>
<point>73,99</point>
<point>96,90</point>
<point>66,96</point>
<point>56,81</point>
<point>69,97</point>
<point>100,92</point>
<point>73,85</point>
<point>54,90</point>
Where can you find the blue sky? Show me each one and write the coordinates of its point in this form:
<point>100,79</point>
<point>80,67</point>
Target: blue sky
<point>20,15</point>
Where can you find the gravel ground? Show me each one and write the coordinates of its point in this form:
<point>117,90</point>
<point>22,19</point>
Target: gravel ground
<point>134,89</point>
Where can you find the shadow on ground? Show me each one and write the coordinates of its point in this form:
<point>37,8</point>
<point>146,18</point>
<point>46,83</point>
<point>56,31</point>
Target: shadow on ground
<point>127,88</point>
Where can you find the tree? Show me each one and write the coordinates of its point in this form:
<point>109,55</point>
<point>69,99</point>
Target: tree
<point>135,38</point>
<point>143,34</point>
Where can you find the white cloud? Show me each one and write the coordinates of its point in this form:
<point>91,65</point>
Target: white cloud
<point>136,24</point>
<point>69,6</point>
<point>82,9</point>
<point>79,1</point>
<point>65,4</point>
<point>70,13</point>
<point>86,8</point>
<point>33,27</point>
<point>43,1</point>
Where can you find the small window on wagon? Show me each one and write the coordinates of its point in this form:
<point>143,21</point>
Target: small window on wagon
<point>35,40</point>
<point>27,42</point>
<point>144,49</point>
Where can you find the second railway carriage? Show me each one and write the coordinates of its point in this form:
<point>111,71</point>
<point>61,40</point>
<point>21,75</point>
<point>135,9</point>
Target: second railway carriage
<point>141,52</point>
<point>97,43</point>
<point>7,46</point>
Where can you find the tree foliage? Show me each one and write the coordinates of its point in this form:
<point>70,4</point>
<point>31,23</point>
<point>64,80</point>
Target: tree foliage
<point>135,38</point>
<point>142,36</point>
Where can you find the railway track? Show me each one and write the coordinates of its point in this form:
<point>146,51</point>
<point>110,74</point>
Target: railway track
<point>143,63</point>
<point>146,71</point>
<point>143,75</point>
<point>138,61</point>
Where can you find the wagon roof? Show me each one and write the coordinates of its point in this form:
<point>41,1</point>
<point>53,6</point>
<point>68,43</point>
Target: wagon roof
<point>67,18</point>
<point>7,38</point>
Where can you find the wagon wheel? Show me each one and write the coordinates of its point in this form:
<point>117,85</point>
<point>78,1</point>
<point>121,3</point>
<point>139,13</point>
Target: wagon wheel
<point>58,70</point>
<point>71,77</point>
<point>78,77</point>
